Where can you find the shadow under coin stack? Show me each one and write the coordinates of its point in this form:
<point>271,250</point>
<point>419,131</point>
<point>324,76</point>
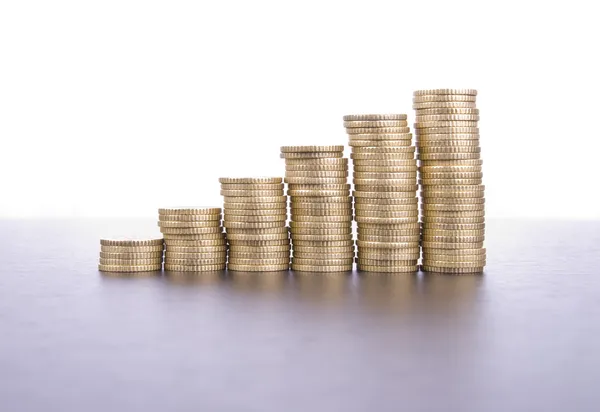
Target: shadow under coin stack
<point>130,256</point>
<point>255,221</point>
<point>321,208</point>
<point>194,239</point>
<point>385,195</point>
<point>453,210</point>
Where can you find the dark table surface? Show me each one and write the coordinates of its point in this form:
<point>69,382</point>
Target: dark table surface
<point>525,336</point>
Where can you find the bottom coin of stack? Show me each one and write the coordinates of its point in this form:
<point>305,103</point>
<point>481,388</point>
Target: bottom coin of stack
<point>385,200</point>
<point>255,221</point>
<point>131,255</point>
<point>321,215</point>
<point>453,206</point>
<point>194,239</point>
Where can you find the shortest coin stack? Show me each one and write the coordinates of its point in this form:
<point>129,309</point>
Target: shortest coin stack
<point>194,239</point>
<point>131,255</point>
<point>255,220</point>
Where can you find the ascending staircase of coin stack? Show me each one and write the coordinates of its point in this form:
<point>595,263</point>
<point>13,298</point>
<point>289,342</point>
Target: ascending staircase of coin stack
<point>321,208</point>
<point>194,239</point>
<point>255,221</point>
<point>453,212</point>
<point>385,195</point>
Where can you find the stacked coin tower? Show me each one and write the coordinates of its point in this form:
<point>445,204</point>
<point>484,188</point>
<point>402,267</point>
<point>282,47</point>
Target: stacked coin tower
<point>321,208</point>
<point>453,215</point>
<point>385,196</point>
<point>255,221</point>
<point>131,255</point>
<point>194,239</point>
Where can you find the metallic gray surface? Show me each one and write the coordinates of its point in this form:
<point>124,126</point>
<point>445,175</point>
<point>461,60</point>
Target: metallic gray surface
<point>523,337</point>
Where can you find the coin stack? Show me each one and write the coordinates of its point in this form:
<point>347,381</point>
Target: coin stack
<point>321,208</point>
<point>453,209</point>
<point>255,221</point>
<point>131,255</point>
<point>385,195</point>
<point>194,239</point>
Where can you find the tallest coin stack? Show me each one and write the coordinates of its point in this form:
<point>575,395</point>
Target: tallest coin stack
<point>453,212</point>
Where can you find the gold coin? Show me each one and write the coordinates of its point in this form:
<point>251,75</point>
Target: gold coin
<point>456,271</point>
<point>447,110</point>
<point>444,105</point>
<point>449,214</point>
<point>255,261</point>
<point>451,175</point>
<point>317,162</point>
<point>471,92</point>
<point>446,264</point>
<point>252,186</point>
<point>381,138</point>
<point>208,210</point>
<point>203,255</point>
<point>322,237</point>
<point>260,250</point>
<point>381,145</point>
<point>254,255</point>
<point>252,193</point>
<point>324,256</point>
<point>193,250</point>
<point>457,253</point>
<point>386,245</point>
<point>385,169</point>
<point>324,250</point>
<point>465,242</point>
<point>258,214</point>
<point>385,162</point>
<point>437,196</point>
<point>321,269</point>
<point>386,214</point>
<point>189,218</point>
<point>250,180</point>
<point>387,262</point>
<point>205,223</point>
<point>257,236</point>
<point>194,268</point>
<point>457,188</point>
<point>320,232</point>
<point>281,217</point>
<point>388,232</point>
<point>194,236</point>
<point>378,130</point>
<point>384,195</point>
<point>446,117</point>
<point>341,217</point>
<point>448,156</point>
<point>235,243</point>
<point>295,186</point>
<point>131,249</point>
<point>453,233</point>
<point>329,174</point>
<point>452,208</point>
<point>256,231</point>
<point>467,139</point>
<point>251,226</point>
<point>259,268</point>
<point>384,189</point>
<point>385,202</point>
<point>324,224</point>
<point>176,244</point>
<point>394,239</point>
<point>195,262</point>
<point>453,226</point>
<point>310,201</point>
<point>387,255</point>
<point>455,163</point>
<point>131,242</point>
<point>322,243</point>
<point>314,155</point>
<point>364,117</point>
<point>385,175</point>
<point>443,98</point>
<point>323,262</point>
<point>311,149</point>
<point>273,208</point>
<point>388,269</point>
<point>317,168</point>
<point>472,171</point>
<point>403,149</point>
<point>190,230</point>
<point>384,182</point>
<point>449,182</point>
<point>382,156</point>
<point>128,268</point>
<point>448,149</point>
<point>386,208</point>
<point>431,144</point>
<point>453,220</point>
<point>428,132</point>
<point>429,259</point>
<point>131,256</point>
<point>351,124</point>
<point>313,193</point>
<point>389,226</point>
<point>130,262</point>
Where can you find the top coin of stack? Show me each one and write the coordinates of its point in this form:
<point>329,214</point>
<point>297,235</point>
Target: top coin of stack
<point>453,209</point>
<point>194,239</point>
<point>255,221</point>
<point>131,255</point>
<point>321,208</point>
<point>385,183</point>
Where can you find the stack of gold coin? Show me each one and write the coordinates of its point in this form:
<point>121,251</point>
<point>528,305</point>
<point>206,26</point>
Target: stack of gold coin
<point>321,208</point>
<point>385,195</point>
<point>194,239</point>
<point>143,255</point>
<point>255,221</point>
<point>453,209</point>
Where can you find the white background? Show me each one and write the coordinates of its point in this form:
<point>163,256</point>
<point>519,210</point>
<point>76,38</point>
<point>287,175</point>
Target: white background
<point>115,108</point>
